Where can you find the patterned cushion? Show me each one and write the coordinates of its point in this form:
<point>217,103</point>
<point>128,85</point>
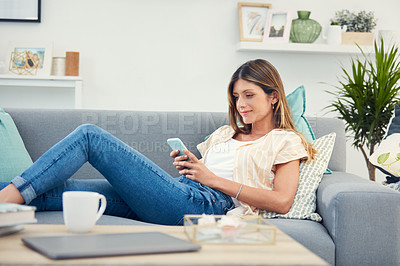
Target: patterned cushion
<point>304,204</point>
<point>387,155</point>
<point>393,128</point>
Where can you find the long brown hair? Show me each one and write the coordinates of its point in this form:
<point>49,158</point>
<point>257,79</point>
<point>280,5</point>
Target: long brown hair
<point>264,74</point>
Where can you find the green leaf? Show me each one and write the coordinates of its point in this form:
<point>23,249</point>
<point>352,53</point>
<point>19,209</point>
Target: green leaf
<point>367,93</point>
<point>383,157</point>
<point>398,156</point>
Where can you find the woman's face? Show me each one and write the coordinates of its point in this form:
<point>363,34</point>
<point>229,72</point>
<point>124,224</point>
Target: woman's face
<point>252,103</point>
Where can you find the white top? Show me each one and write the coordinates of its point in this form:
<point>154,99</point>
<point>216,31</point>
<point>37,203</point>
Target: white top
<point>221,159</point>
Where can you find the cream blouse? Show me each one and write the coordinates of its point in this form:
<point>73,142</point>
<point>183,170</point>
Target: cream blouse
<point>255,162</point>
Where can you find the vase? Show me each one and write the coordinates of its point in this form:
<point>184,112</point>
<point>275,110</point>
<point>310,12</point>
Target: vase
<point>304,29</point>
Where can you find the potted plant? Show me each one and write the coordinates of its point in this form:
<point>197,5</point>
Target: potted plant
<point>359,26</point>
<point>366,98</point>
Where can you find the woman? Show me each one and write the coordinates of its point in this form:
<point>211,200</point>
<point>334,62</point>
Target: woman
<point>243,169</point>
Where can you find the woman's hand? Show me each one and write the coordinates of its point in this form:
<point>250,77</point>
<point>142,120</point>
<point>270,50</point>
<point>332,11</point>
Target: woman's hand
<point>181,158</point>
<point>194,169</point>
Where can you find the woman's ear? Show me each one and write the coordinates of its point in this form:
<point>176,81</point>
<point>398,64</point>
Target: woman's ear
<point>275,97</point>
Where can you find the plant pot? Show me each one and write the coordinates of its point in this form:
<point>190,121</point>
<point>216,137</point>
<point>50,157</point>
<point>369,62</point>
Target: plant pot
<point>361,38</point>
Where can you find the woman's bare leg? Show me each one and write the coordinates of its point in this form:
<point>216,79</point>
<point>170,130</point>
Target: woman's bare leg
<point>11,194</point>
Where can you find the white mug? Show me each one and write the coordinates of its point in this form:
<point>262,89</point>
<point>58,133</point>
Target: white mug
<point>81,210</point>
<point>334,34</point>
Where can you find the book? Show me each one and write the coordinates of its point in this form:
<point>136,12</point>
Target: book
<point>13,214</point>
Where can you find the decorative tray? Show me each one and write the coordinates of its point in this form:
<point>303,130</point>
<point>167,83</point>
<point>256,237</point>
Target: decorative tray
<point>222,229</point>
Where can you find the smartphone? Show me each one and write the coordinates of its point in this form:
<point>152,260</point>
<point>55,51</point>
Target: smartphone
<point>176,144</point>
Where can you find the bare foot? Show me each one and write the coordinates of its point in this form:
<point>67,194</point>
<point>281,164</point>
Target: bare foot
<point>11,194</point>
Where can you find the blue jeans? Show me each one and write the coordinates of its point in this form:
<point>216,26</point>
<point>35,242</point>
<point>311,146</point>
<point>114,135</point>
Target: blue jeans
<point>134,186</point>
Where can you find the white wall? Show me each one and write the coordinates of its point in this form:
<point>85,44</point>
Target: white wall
<point>180,54</point>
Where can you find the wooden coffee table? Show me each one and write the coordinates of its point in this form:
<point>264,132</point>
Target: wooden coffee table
<point>285,251</point>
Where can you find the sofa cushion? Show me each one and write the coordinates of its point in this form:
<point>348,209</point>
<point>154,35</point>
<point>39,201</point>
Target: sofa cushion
<point>14,158</point>
<point>304,204</point>
<point>361,216</point>
<point>385,157</point>
<point>312,235</point>
<point>297,104</point>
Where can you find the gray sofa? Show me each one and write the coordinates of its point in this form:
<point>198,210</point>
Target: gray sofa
<point>361,219</point>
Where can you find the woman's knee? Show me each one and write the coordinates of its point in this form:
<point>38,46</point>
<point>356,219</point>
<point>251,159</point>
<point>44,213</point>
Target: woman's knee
<point>88,128</point>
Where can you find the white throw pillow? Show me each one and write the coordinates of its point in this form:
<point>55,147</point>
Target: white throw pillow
<point>387,155</point>
<point>305,200</point>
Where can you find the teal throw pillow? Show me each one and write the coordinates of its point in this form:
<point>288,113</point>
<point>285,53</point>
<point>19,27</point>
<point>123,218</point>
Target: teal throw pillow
<point>14,158</point>
<point>297,104</point>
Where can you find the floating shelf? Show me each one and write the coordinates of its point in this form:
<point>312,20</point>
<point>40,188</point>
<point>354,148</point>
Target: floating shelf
<point>32,77</point>
<point>302,48</point>
<point>37,86</point>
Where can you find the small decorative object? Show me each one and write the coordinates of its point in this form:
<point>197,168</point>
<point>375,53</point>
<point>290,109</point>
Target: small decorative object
<point>229,229</point>
<point>278,26</point>
<point>304,29</point>
<point>252,19</point>
<point>58,66</point>
<point>360,22</point>
<point>360,38</point>
<point>30,59</point>
<point>359,26</point>
<point>72,64</point>
<point>334,34</point>
<point>366,98</point>
<point>206,219</point>
<point>23,63</point>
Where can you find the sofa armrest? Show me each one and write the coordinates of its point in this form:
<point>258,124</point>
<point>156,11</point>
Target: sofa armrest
<point>363,219</point>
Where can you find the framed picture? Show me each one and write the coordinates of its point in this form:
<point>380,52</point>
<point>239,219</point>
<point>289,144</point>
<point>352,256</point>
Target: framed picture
<point>277,28</point>
<point>20,10</point>
<point>252,19</point>
<point>30,58</point>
